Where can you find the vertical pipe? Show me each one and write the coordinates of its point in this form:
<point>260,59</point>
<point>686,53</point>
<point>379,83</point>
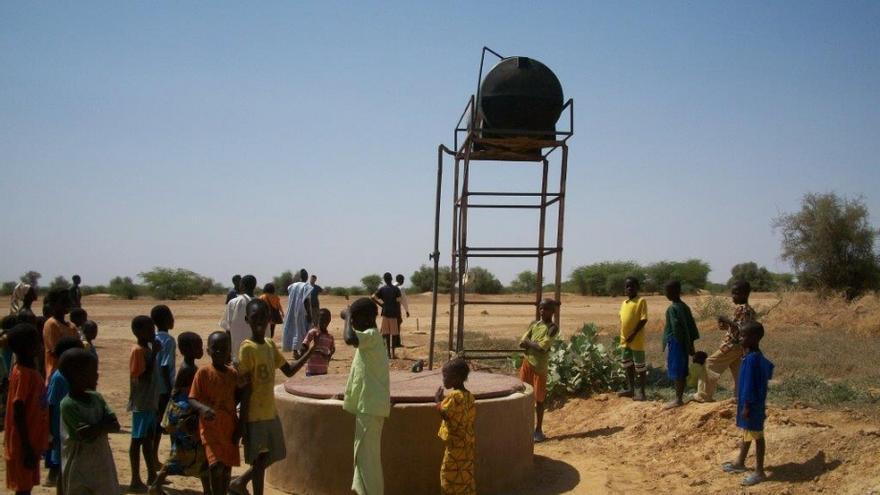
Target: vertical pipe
<point>435,255</point>
<point>462,245</point>
<point>541,230</point>
<point>454,251</point>
<point>559,226</point>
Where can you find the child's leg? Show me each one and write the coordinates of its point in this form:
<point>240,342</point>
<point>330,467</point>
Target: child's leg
<point>760,447</point>
<point>539,416</point>
<point>156,486</point>
<point>627,363</point>
<point>134,456</point>
<point>219,478</point>
<point>259,473</point>
<point>744,447</point>
<point>205,478</point>
<point>679,390</point>
<point>157,428</point>
<point>149,459</point>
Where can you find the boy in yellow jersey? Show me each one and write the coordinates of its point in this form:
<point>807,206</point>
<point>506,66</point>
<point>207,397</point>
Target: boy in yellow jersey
<point>633,317</point>
<point>536,345</point>
<point>262,434</point>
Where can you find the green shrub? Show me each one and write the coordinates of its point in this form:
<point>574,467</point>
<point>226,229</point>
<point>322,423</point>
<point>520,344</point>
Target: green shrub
<point>580,365</point>
<point>283,281</point>
<point>811,389</point>
<point>123,288</point>
<point>371,282</point>
<point>526,282</point>
<point>359,290</point>
<point>59,282</point>
<point>179,283</point>
<point>422,279</point>
<point>710,307</point>
<point>482,281</point>
<point>7,288</point>
<point>338,291</point>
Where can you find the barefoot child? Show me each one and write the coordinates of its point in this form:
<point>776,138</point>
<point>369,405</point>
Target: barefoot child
<point>633,317</point>
<point>262,433</point>
<point>181,421</point>
<point>729,355</point>
<point>679,335</point>
<point>458,411</point>
<point>214,394</point>
<point>367,395</point>
<point>143,401</point>
<point>55,393</point>
<point>754,374</point>
<point>27,421</point>
<point>324,345</point>
<point>166,366</point>
<point>536,345</point>
<point>86,419</point>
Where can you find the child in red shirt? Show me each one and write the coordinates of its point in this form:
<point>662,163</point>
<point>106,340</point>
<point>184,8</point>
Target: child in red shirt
<point>325,346</point>
<point>27,419</point>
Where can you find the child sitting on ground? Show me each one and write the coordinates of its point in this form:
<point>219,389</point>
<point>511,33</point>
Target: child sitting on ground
<point>751,405</point>
<point>27,421</point>
<point>181,421</point>
<point>89,334</point>
<point>263,436</point>
<point>56,392</point>
<point>697,369</point>
<point>86,419</point>
<point>536,345</point>
<point>679,335</point>
<point>324,345</point>
<point>214,395</point>
<point>633,318</point>
<point>143,401</point>
<point>458,411</point>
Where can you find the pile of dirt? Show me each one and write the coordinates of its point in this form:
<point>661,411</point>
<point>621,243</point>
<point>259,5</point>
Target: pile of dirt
<point>799,309</point>
<point>621,446</point>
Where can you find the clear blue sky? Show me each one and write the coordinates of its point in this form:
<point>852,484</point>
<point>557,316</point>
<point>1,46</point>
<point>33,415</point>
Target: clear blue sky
<point>228,137</point>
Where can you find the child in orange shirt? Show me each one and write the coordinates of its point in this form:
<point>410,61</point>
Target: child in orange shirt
<point>27,420</point>
<point>214,394</point>
<point>58,304</point>
<point>276,312</point>
<point>143,401</point>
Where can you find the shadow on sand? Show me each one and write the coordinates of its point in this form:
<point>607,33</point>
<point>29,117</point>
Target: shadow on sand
<point>799,472</point>
<point>550,477</point>
<point>600,432</point>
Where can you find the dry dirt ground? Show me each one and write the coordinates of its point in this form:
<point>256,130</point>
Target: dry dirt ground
<point>598,445</point>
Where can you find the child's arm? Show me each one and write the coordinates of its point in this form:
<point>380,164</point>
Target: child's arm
<point>108,424</point>
<point>348,334</point>
<point>289,369</point>
<point>639,326</point>
<point>205,412</point>
<point>20,418</point>
<point>438,399</point>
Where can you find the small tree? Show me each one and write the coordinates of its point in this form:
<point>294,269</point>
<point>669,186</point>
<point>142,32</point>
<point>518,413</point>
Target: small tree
<point>283,281</point>
<point>371,282</point>
<point>592,280</point>
<point>59,282</point>
<point>8,288</point>
<point>758,277</point>
<point>31,278</point>
<point>830,244</point>
<point>423,279</point>
<point>482,281</point>
<point>525,282</point>
<point>170,283</point>
<point>123,288</point>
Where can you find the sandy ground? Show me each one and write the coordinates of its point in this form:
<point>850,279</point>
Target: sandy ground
<point>597,445</point>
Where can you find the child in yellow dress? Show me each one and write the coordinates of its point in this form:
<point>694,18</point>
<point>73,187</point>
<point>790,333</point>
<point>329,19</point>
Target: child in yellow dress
<point>458,410</point>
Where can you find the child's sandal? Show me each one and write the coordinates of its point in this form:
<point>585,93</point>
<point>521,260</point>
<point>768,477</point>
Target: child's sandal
<point>731,468</point>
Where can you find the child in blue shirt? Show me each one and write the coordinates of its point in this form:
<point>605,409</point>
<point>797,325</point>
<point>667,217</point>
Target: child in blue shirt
<point>754,374</point>
<point>56,392</point>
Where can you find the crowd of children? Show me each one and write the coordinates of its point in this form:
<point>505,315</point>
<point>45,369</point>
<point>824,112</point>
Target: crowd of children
<point>53,409</point>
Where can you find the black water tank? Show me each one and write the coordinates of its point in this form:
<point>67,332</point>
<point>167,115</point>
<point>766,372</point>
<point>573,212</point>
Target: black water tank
<point>520,93</point>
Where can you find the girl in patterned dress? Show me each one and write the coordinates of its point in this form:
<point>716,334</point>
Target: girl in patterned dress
<point>458,410</point>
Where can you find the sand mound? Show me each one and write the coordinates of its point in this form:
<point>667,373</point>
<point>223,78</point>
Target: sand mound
<point>798,309</point>
<point>621,446</point>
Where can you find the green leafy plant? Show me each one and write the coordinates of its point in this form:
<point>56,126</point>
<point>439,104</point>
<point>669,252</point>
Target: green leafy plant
<point>580,365</point>
<point>709,308</point>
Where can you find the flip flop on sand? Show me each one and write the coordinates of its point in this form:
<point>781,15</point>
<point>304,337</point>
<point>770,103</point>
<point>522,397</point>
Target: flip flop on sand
<point>731,468</point>
<point>538,437</point>
<point>753,479</point>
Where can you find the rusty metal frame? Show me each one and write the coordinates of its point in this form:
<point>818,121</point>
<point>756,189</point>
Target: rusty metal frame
<point>521,146</point>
